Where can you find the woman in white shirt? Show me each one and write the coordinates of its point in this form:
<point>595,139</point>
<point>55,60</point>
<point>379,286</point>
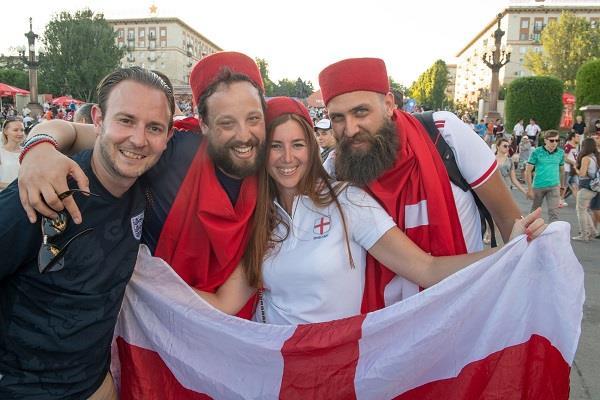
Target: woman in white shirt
<point>587,165</point>
<point>13,134</point>
<point>311,234</point>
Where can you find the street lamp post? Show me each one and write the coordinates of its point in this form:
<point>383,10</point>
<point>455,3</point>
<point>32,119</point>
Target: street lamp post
<point>495,58</point>
<point>32,63</point>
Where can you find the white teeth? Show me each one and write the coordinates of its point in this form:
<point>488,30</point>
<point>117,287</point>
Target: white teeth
<point>242,149</point>
<point>287,171</point>
<point>129,154</point>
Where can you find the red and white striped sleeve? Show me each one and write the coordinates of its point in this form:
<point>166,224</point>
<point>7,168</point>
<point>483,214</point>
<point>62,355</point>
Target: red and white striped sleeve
<point>474,158</point>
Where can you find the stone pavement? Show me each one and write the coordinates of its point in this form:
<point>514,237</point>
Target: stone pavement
<point>585,373</point>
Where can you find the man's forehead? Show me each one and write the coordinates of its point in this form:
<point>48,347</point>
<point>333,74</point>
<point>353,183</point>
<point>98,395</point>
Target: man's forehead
<point>234,97</point>
<point>347,101</point>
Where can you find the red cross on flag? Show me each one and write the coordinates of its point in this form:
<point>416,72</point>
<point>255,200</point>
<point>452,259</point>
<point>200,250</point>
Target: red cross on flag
<point>322,225</point>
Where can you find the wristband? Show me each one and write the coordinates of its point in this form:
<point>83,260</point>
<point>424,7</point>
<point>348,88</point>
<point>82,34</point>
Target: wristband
<point>35,140</point>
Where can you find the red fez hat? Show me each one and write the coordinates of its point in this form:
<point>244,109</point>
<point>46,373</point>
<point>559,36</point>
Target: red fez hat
<point>352,75</point>
<point>206,71</point>
<point>278,106</point>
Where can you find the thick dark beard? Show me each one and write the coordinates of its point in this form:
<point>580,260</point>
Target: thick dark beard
<point>222,158</point>
<point>362,167</point>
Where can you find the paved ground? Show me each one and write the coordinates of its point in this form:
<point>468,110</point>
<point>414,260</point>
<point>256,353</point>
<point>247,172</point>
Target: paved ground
<point>585,373</point>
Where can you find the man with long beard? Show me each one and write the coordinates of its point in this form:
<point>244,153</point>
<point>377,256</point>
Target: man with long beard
<point>390,153</point>
<point>201,194</point>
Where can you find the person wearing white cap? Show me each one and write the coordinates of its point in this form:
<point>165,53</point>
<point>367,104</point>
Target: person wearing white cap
<point>325,137</point>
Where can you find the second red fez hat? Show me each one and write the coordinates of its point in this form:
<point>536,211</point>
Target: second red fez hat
<point>207,70</point>
<point>278,106</point>
<point>354,74</point>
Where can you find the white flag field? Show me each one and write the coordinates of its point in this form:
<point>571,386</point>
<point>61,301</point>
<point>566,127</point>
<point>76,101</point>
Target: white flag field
<point>506,327</point>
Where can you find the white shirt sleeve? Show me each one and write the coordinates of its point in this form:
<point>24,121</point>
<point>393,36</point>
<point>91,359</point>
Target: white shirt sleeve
<point>474,158</point>
<point>366,220</point>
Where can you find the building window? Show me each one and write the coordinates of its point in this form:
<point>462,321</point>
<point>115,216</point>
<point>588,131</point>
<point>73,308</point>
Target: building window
<point>142,43</point>
<point>551,19</point>
<point>538,25</point>
<point>152,44</point>
<point>522,50</point>
<point>141,33</point>
<point>151,33</point>
<point>524,29</point>
<point>131,34</point>
<point>163,32</point>
<point>120,33</point>
<point>163,43</point>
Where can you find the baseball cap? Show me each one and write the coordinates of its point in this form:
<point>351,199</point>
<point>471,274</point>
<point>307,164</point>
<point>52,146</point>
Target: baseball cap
<point>324,124</point>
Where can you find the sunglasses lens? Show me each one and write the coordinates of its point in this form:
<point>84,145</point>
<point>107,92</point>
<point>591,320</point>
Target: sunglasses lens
<point>47,260</point>
<point>53,227</point>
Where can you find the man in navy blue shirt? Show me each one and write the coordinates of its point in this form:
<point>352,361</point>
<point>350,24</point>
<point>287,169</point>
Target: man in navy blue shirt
<point>58,310</point>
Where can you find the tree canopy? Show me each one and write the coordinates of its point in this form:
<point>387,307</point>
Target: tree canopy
<point>80,50</point>
<point>567,43</point>
<point>429,88</point>
<point>284,87</point>
<point>588,84</point>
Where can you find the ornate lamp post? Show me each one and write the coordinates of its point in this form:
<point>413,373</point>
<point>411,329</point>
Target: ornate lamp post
<point>495,58</point>
<point>32,63</point>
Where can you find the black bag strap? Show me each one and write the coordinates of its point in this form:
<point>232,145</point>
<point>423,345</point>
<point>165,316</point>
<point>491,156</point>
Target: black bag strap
<point>445,151</point>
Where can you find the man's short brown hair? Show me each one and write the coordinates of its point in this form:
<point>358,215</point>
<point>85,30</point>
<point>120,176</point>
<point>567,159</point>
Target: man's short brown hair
<point>551,133</point>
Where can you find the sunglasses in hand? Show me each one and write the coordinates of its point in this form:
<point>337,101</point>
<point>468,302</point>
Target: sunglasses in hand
<point>50,256</point>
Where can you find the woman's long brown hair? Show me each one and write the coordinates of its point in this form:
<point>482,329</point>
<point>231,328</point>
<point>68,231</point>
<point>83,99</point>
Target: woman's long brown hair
<point>316,184</point>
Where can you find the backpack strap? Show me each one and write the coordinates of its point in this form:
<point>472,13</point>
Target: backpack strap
<point>445,151</point>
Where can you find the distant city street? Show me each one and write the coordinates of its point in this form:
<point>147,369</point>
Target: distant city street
<point>585,384</point>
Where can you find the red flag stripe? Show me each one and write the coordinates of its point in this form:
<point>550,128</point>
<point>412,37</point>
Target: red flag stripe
<point>319,365</point>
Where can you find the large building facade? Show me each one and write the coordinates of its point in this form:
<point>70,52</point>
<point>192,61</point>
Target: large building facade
<point>167,45</point>
<point>523,22</point>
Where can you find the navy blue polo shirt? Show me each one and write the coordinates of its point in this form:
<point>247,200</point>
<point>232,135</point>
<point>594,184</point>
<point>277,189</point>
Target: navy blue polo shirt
<point>56,328</point>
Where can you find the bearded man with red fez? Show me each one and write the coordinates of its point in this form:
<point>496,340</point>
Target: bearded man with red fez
<point>202,192</point>
<point>390,153</point>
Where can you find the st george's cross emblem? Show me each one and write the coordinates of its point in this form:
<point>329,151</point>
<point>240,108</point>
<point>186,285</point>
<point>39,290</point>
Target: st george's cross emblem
<point>322,225</point>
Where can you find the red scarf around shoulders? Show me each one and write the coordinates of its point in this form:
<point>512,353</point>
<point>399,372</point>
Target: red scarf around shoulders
<point>205,236</point>
<point>418,175</point>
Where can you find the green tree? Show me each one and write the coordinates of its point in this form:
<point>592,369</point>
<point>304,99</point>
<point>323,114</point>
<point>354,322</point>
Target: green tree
<point>588,84</point>
<point>429,88</point>
<point>398,90</point>
<point>263,66</point>
<point>80,51</point>
<point>567,44</point>
<point>303,89</point>
<point>538,97</point>
<point>15,77</point>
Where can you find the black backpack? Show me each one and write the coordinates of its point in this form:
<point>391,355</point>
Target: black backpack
<point>426,119</point>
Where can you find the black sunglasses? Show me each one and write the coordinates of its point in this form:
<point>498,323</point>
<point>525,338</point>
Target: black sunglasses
<point>50,256</point>
<point>553,140</point>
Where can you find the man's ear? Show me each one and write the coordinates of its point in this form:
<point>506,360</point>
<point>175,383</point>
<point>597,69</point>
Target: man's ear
<point>203,126</point>
<point>389,103</point>
<point>96,114</point>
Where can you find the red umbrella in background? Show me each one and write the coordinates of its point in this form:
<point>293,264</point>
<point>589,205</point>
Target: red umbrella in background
<point>65,101</point>
<point>10,91</point>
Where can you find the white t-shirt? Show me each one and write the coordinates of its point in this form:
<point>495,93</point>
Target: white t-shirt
<point>518,129</point>
<point>532,130</point>
<point>9,165</point>
<point>308,277</point>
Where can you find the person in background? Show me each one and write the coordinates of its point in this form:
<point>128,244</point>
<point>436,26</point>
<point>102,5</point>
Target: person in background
<point>519,130</point>
<point>325,138</point>
<point>587,165</point>
<point>548,161</point>
<point>13,134</point>
<point>83,115</point>
<point>506,165</point>
<point>533,130</point>
<point>481,129</point>
<point>570,180</point>
<point>579,127</point>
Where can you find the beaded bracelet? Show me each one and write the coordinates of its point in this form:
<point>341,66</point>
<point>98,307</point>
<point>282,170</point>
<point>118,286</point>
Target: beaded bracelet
<point>35,140</point>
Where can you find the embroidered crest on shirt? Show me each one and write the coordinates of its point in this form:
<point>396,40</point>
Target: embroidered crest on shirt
<point>321,225</point>
<point>136,225</point>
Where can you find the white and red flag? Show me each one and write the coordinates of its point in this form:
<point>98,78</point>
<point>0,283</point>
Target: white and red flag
<point>506,327</point>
